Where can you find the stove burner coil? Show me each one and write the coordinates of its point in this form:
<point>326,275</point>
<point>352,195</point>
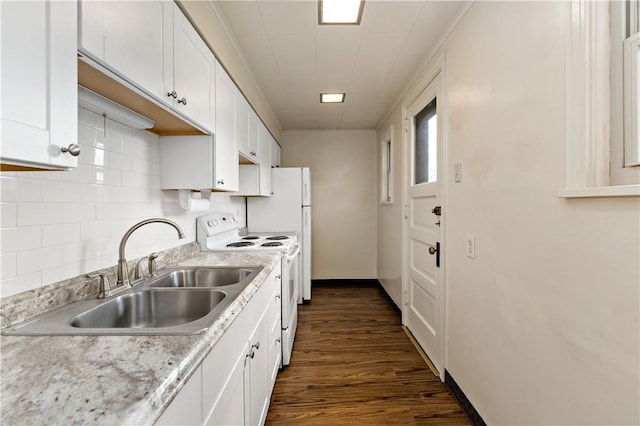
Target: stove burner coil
<point>251,237</point>
<point>272,244</point>
<point>278,237</point>
<point>241,244</point>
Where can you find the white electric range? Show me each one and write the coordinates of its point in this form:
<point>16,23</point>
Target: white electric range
<point>220,232</point>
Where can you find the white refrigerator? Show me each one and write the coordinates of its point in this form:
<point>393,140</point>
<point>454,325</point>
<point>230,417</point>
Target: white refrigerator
<point>288,209</point>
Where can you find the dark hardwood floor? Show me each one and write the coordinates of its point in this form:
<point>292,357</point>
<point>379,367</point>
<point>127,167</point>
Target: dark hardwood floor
<point>353,364</point>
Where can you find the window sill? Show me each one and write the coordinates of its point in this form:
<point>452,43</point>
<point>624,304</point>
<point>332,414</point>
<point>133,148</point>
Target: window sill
<point>601,191</point>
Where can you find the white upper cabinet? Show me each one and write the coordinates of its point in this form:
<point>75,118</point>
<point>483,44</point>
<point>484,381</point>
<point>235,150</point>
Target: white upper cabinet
<point>265,161</point>
<point>242,127</point>
<point>127,38</point>
<point>194,68</point>
<point>153,46</point>
<point>226,148</point>
<point>39,85</point>
<point>275,154</point>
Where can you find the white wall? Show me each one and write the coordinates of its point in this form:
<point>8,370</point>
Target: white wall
<point>343,179</point>
<point>543,326</point>
<point>390,215</point>
<point>58,225</point>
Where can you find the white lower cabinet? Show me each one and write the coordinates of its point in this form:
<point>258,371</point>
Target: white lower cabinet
<point>185,409</point>
<point>235,380</point>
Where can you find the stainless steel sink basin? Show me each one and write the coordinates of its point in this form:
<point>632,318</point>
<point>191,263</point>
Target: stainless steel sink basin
<point>204,277</point>
<point>184,300</point>
<point>150,308</point>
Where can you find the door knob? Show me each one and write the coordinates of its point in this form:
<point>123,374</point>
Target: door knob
<point>432,250</point>
<point>73,149</point>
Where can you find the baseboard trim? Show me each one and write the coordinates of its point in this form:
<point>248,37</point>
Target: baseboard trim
<point>341,282</point>
<point>462,400</point>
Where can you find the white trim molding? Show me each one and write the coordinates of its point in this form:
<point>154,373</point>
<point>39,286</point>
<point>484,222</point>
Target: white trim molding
<point>386,167</point>
<point>587,95</point>
<point>631,99</point>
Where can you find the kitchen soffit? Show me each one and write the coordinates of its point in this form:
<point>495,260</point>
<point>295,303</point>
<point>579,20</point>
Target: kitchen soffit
<point>293,58</point>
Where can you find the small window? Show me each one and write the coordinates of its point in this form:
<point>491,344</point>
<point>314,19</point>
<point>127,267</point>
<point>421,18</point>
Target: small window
<point>426,145</point>
<point>386,167</point>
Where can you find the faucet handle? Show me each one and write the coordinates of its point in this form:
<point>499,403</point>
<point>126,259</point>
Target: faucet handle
<point>105,287</point>
<point>152,263</point>
<point>138,271</point>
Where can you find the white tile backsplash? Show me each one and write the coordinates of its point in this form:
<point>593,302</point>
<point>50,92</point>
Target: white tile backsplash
<point>39,213</point>
<point>8,212</point>
<point>58,225</point>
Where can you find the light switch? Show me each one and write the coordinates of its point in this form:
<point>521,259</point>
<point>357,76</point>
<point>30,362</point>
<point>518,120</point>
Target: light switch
<point>458,172</point>
<point>470,249</point>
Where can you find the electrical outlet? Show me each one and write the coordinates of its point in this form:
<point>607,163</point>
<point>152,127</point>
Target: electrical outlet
<point>470,248</point>
<point>458,172</point>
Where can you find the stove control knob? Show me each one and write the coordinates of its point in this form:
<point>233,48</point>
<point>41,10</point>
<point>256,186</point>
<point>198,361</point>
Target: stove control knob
<point>210,224</point>
<point>235,218</point>
<point>215,222</point>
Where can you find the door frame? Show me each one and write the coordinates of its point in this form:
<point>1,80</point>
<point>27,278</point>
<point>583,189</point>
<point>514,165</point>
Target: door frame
<point>438,68</point>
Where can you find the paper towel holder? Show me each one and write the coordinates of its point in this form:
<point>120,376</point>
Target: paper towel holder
<point>184,198</point>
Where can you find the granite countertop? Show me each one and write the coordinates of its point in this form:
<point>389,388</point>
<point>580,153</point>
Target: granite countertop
<point>111,379</point>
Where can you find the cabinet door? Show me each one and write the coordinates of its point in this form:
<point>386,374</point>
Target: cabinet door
<point>254,135</point>
<point>275,331</point>
<point>275,154</point>
<point>226,152</point>
<point>265,161</point>
<point>243,128</point>
<point>128,38</point>
<point>194,68</point>
<point>186,408</point>
<point>39,83</point>
<point>229,408</point>
<point>260,374</point>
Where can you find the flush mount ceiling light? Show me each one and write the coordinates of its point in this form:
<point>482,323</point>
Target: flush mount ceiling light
<point>331,98</point>
<point>340,12</point>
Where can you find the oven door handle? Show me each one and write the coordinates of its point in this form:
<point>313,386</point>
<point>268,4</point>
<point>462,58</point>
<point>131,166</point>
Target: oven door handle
<point>290,257</point>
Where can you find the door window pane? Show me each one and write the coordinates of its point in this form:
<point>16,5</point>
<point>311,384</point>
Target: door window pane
<point>426,145</point>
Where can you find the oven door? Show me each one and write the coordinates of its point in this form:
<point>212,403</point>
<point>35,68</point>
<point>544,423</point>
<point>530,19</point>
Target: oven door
<point>290,277</point>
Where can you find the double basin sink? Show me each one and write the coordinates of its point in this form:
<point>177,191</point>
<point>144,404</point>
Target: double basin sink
<point>184,300</point>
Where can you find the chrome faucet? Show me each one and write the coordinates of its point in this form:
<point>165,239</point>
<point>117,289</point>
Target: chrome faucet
<point>123,271</point>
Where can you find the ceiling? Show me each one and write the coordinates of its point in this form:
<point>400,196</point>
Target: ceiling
<point>294,59</point>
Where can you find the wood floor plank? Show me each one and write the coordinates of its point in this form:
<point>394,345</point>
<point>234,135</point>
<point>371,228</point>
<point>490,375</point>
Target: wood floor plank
<point>352,364</point>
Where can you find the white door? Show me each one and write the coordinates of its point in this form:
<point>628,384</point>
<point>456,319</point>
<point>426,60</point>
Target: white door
<point>423,313</point>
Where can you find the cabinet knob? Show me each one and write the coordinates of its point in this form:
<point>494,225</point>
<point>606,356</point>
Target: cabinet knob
<point>73,149</point>
<point>221,182</point>
<point>278,277</point>
<point>172,94</point>
<point>257,346</point>
<point>182,101</point>
<point>277,297</point>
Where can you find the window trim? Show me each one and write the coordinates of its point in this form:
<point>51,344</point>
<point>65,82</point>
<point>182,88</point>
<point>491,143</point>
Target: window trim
<point>386,167</point>
<point>587,103</point>
<point>631,124</point>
